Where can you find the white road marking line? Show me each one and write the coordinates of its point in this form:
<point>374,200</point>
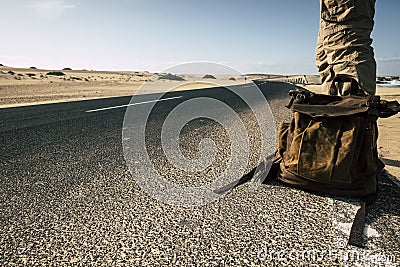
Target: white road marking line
<point>345,228</point>
<point>133,104</point>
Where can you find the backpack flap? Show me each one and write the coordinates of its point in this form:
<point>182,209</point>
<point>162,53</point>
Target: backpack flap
<point>344,106</point>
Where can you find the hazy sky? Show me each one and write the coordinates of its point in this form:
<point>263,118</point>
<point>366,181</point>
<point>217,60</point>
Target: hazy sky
<point>270,36</point>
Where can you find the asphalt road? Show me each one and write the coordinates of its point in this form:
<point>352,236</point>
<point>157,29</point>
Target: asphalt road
<point>67,196</point>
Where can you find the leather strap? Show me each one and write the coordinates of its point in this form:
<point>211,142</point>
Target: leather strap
<point>357,229</point>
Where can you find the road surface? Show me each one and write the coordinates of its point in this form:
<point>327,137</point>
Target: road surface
<point>68,198</point>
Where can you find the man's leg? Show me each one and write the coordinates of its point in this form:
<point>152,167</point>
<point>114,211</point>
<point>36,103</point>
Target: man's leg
<point>324,69</point>
<point>344,38</point>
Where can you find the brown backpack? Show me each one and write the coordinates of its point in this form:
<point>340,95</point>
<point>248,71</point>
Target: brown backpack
<point>330,147</point>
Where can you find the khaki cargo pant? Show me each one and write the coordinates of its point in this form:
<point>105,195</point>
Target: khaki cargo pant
<point>345,58</point>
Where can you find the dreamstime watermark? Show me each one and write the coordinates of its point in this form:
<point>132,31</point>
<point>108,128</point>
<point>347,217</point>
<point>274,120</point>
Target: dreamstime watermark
<point>173,110</point>
<point>334,255</point>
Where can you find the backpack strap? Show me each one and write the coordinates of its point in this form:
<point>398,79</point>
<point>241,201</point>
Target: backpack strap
<point>388,108</point>
<point>357,229</point>
<point>385,108</point>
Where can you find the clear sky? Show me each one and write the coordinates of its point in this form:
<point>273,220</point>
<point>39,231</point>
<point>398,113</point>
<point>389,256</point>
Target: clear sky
<point>270,36</point>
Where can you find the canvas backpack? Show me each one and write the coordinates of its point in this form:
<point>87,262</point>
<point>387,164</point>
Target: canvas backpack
<point>330,146</point>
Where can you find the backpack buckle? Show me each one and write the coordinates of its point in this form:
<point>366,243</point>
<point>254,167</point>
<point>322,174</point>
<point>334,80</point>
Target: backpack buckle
<point>298,95</point>
<point>300,98</point>
<point>374,102</point>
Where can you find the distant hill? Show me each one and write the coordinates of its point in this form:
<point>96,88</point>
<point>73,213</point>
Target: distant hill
<point>171,77</point>
<point>209,76</point>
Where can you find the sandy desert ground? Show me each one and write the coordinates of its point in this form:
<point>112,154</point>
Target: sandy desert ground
<point>31,86</point>
<point>20,87</point>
